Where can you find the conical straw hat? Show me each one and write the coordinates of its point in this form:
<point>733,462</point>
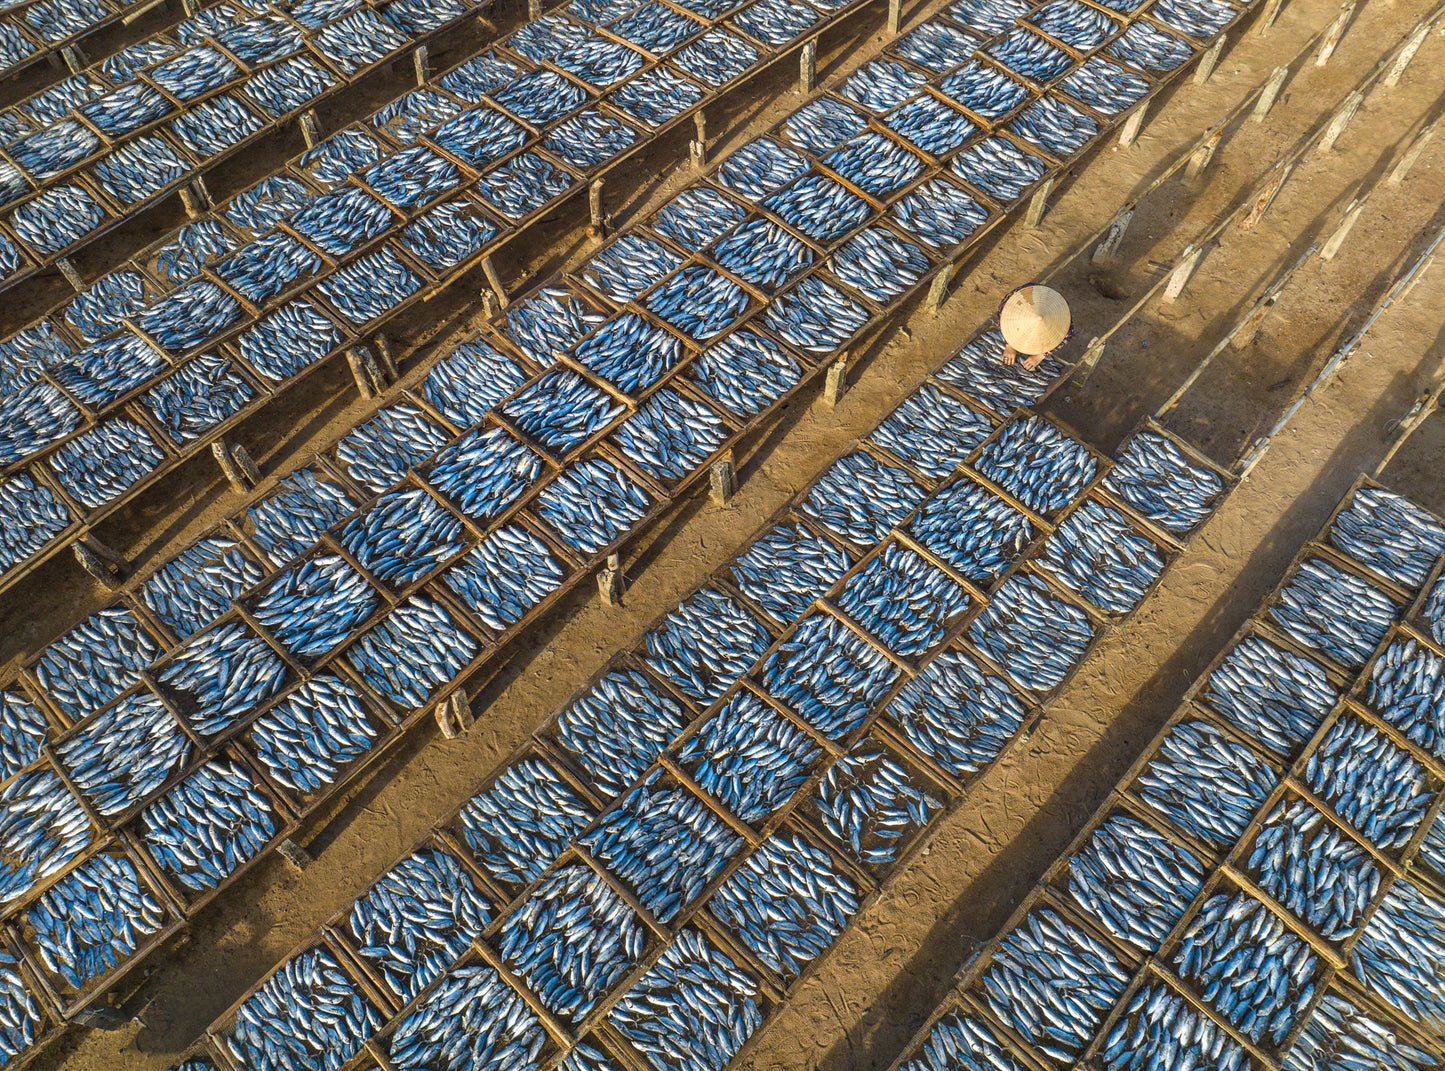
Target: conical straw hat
<point>1035,319</point>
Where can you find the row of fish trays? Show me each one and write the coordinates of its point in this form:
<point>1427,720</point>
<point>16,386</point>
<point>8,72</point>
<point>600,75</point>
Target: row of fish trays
<point>862,310</point>
<point>303,327</point>
<point>30,38</point>
<point>217,120</point>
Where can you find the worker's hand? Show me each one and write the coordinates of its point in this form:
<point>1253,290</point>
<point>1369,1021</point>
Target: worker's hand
<point>1033,362</point>
<point>1009,353</point>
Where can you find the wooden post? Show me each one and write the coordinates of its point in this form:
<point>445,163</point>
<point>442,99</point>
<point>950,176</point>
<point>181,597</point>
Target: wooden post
<point>836,384</point>
<point>196,198</point>
<point>100,561</point>
<point>228,466</point>
<point>1183,269</point>
<point>808,66</point>
<point>1337,31</point>
<point>1249,327</point>
<point>895,17</point>
<point>723,481</point>
<point>610,583</point>
<point>1265,199</point>
<point>1342,232</point>
<point>1088,362</point>
<point>100,1017</point>
<point>74,58</point>
<point>421,64</point>
<point>495,281</point>
<point>490,305</point>
<point>1208,61</point>
<point>94,565</point>
<point>190,7</point>
<point>597,228</point>
<point>1397,70</point>
<point>357,358</point>
<point>1341,120</point>
<point>1040,203</point>
<point>310,128</point>
<point>938,288</point>
<point>1199,159</point>
<point>388,362</point>
<point>454,715</point>
<point>246,464</point>
<point>1132,125</point>
<point>534,10</point>
<point>698,146</point>
<point>294,854</point>
<point>72,276</point>
<point>1107,250</point>
<point>1269,94</point>
<point>1271,12</point>
<point>1411,154</point>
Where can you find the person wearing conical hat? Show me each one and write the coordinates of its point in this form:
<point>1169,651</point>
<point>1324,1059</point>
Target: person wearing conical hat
<point>1035,321</point>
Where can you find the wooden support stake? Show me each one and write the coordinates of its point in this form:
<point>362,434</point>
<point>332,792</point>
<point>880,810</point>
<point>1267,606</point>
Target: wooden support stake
<point>938,288</point>
<point>1132,125</point>
<point>1088,362</point>
<point>1342,232</point>
<point>1249,327</point>
<point>808,66</point>
<point>228,466</point>
<point>1208,61</point>
<point>190,7</point>
<point>1107,250</point>
<point>490,305</point>
<point>1337,31</point>
<point>534,10</point>
<point>1265,199</point>
<point>1397,71</point>
<point>490,270</point>
<point>1271,12</point>
<point>1341,120</point>
<point>1419,273</point>
<point>100,1017</point>
<point>1183,269</point>
<point>597,227</point>
<point>1040,203</point>
<point>610,583</point>
<point>1199,159</point>
<point>421,64</point>
<point>895,17</point>
<point>1412,154</point>
<point>388,362</point>
<point>1269,94</point>
<point>698,147</point>
<point>294,854</point>
<point>72,276</point>
<point>454,716</point>
<point>723,481</point>
<point>357,358</point>
<point>246,464</point>
<point>310,128</point>
<point>99,560</point>
<point>836,384</point>
<point>74,58</point>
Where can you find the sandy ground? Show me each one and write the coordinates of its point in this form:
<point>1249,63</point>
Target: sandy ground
<point>885,974</point>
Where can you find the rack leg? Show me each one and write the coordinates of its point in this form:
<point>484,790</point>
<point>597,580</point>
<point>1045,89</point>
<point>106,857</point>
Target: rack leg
<point>1199,159</point>
<point>99,560</point>
<point>1271,12</point>
<point>808,66</point>
<point>358,359</point>
<point>1179,278</point>
<point>1337,31</point>
<point>1347,221</point>
<point>99,1017</point>
<point>1341,120</point>
<point>1269,94</point>
<point>597,227</point>
<point>836,384</point>
<point>72,276</point>
<point>455,716</point>
<point>938,288</point>
<point>1411,155</point>
<point>495,281</point>
<point>1088,362</point>
<point>1107,250</point>
<point>421,64</point>
<point>195,198</point>
<point>246,464</point>
<point>1132,125</point>
<point>1397,71</point>
<point>1040,204</point>
<point>388,362</point>
<point>534,10</point>
<point>610,583</point>
<point>294,854</point>
<point>895,17</point>
<point>1265,199</point>
<point>1207,62</point>
<point>228,466</point>
<point>723,481</point>
<point>698,147</point>
<point>310,128</point>
<point>1249,327</point>
<point>74,58</point>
